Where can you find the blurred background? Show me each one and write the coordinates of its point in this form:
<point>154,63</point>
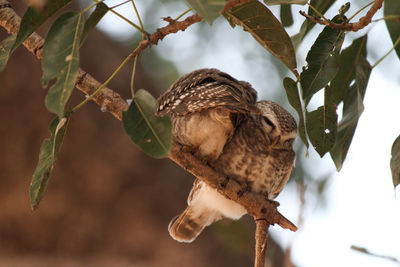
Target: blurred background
<point>109,204</point>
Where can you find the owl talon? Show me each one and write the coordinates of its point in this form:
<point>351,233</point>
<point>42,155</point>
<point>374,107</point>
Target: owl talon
<point>273,202</point>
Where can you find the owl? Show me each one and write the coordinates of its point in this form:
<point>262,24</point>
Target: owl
<point>259,155</point>
<point>205,106</point>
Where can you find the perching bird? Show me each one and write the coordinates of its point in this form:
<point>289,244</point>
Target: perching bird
<point>205,106</point>
<point>260,154</point>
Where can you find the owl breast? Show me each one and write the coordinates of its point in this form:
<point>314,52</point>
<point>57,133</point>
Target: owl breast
<point>249,158</point>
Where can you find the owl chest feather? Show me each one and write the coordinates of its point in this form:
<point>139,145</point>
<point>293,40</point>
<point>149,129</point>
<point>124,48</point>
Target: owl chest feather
<point>248,158</point>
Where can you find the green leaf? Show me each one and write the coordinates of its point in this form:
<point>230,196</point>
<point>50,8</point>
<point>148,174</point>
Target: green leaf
<point>285,2</point>
<point>259,21</point>
<point>293,96</point>
<point>395,162</point>
<point>323,60</point>
<point>33,18</point>
<point>354,78</point>
<point>208,9</point>
<point>322,127</point>
<point>61,59</point>
<point>94,18</point>
<point>392,8</point>
<point>322,7</point>
<point>286,15</point>
<point>47,158</point>
<point>348,60</point>
<point>151,133</point>
<point>5,49</point>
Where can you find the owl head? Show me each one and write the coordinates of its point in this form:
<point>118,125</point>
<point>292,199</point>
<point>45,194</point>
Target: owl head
<point>277,123</point>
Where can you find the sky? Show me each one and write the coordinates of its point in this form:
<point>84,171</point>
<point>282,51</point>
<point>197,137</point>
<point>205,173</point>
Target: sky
<point>361,207</point>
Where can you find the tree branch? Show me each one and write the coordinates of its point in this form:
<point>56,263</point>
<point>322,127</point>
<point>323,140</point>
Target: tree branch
<point>256,204</point>
<point>265,212</point>
<point>261,242</point>
<point>362,22</point>
<point>172,27</point>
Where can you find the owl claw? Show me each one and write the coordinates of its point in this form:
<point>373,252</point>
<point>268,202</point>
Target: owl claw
<point>273,202</point>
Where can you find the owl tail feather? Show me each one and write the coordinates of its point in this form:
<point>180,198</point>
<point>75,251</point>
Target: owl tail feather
<point>188,225</point>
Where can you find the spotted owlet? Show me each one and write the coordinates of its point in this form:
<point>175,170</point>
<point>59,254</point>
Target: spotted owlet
<point>260,154</point>
<point>205,106</point>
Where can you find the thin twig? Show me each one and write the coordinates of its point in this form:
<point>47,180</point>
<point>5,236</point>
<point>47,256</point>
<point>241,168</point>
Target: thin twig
<point>316,11</point>
<point>92,95</point>
<point>361,9</point>
<point>367,252</point>
<point>385,55</point>
<point>137,15</point>
<point>133,77</point>
<point>127,20</point>
<point>184,13</point>
<point>362,22</point>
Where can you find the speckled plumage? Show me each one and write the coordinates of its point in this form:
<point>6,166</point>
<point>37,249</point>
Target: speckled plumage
<point>205,107</point>
<point>259,154</point>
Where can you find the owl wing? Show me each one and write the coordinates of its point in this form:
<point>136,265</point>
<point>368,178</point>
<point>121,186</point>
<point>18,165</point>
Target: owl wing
<point>207,88</point>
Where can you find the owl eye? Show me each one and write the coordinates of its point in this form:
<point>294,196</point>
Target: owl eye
<point>268,122</point>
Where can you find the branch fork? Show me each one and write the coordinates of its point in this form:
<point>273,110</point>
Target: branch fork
<point>362,22</point>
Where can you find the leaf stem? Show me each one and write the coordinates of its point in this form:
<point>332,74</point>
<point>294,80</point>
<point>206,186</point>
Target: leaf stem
<point>120,4</point>
<point>103,85</point>
<point>137,14</point>
<point>91,6</point>
<point>361,9</point>
<point>384,56</point>
<point>390,17</point>
<point>318,13</point>
<point>184,13</point>
<point>133,76</point>
<point>124,18</point>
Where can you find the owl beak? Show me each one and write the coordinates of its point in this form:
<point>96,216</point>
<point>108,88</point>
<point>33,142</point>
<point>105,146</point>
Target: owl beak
<point>276,140</point>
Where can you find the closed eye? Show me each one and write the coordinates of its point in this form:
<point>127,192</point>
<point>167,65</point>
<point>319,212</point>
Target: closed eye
<point>267,121</point>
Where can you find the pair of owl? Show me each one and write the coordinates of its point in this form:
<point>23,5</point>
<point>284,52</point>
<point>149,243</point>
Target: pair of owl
<point>217,118</point>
